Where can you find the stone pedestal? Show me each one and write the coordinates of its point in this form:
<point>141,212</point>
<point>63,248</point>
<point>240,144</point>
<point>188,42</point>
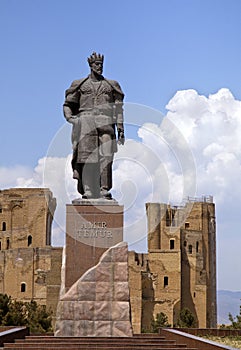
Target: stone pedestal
<point>91,228</point>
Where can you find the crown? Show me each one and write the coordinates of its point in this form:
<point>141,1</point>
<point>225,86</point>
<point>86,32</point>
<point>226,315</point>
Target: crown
<point>95,57</point>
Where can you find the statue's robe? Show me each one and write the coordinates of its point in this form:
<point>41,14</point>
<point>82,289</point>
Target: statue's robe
<point>98,107</point>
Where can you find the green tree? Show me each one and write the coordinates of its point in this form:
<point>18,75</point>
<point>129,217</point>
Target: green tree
<point>5,301</point>
<point>161,321</point>
<point>30,314</point>
<point>235,321</point>
<point>16,315</point>
<point>39,318</point>
<point>186,319</point>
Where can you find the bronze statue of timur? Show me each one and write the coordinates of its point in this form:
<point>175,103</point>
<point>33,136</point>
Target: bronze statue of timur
<point>94,106</point>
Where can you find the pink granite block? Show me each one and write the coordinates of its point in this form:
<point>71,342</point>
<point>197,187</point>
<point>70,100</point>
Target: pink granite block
<point>121,329</point>
<point>104,291</point>
<point>84,328</point>
<point>118,253</point>
<point>104,272</point>
<point>86,290</point>
<point>120,311</point>
<point>121,291</point>
<point>68,310</point>
<point>89,276</point>
<point>84,310</point>
<point>103,328</point>
<point>103,310</point>
<point>121,272</point>
<point>64,328</point>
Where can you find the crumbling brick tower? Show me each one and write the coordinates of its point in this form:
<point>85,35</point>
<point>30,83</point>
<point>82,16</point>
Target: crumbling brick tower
<point>30,268</point>
<point>179,269</point>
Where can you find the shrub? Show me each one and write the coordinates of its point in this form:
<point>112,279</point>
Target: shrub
<point>186,319</point>
<point>161,321</point>
<point>29,314</point>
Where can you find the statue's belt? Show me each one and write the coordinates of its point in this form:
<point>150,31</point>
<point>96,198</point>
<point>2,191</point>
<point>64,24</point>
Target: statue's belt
<point>96,111</point>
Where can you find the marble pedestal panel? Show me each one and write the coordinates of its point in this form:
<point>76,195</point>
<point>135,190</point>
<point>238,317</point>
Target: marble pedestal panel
<point>92,226</point>
<point>98,304</point>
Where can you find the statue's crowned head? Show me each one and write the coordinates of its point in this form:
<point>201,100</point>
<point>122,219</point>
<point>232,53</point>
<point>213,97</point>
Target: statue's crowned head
<point>95,58</point>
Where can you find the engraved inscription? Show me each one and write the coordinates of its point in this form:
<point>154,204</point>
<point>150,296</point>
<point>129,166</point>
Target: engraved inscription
<point>94,230</point>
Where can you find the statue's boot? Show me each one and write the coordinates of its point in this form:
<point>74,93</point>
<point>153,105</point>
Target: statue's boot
<point>90,181</point>
<point>87,195</point>
<point>105,194</point>
<point>106,177</point>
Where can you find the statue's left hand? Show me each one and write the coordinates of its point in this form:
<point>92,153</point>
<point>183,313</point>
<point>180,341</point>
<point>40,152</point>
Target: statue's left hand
<point>121,137</point>
<point>73,119</point>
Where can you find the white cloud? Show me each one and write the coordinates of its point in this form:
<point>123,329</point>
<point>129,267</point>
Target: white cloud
<point>212,127</point>
<point>9,175</point>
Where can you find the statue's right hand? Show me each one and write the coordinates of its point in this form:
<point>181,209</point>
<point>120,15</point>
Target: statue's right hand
<point>73,119</point>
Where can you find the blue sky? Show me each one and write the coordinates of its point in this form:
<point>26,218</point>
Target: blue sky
<point>153,48</point>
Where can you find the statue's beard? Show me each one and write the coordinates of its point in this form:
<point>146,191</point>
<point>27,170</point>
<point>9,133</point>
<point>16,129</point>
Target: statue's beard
<point>98,71</point>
